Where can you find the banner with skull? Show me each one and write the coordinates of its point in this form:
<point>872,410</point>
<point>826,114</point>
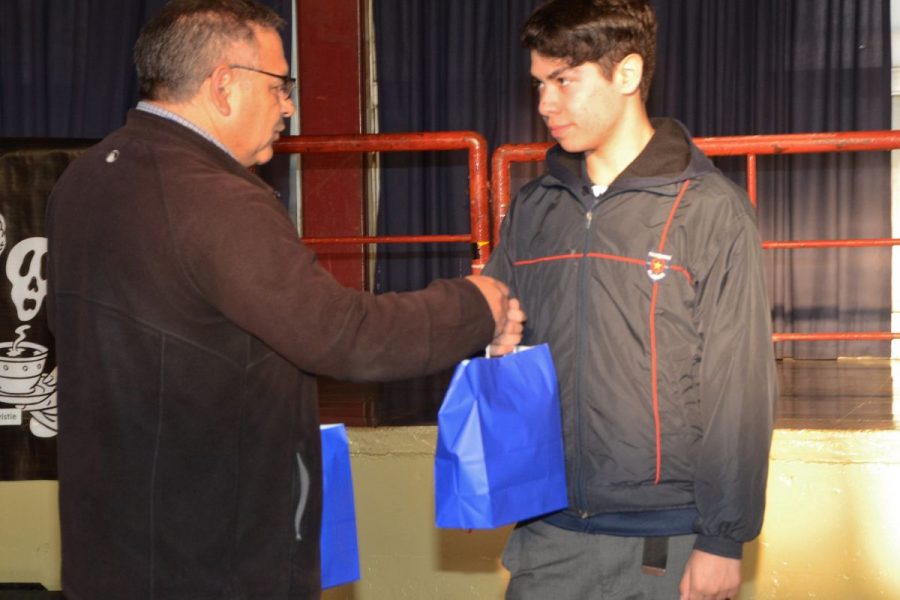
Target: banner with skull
<point>28,416</point>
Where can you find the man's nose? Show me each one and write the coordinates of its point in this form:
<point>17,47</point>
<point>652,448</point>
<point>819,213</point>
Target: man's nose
<point>287,107</point>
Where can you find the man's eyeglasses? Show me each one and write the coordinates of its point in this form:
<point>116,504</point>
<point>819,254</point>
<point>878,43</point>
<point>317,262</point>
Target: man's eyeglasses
<point>287,82</point>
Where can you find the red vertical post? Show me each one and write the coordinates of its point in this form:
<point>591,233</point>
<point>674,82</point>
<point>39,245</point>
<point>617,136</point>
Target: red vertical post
<point>751,178</point>
<point>330,102</point>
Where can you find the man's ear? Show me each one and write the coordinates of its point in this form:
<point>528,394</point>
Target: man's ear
<point>221,84</point>
<point>629,72</point>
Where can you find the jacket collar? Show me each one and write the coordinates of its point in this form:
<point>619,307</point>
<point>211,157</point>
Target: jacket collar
<point>153,126</point>
<point>669,158</point>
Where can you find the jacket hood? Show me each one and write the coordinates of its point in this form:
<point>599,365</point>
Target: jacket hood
<point>669,158</point>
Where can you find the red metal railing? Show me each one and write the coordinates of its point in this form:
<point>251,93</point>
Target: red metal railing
<point>500,193</point>
<point>479,211</point>
<point>750,146</point>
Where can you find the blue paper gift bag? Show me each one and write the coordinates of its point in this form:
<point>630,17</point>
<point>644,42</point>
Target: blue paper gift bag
<point>337,544</point>
<point>500,456</point>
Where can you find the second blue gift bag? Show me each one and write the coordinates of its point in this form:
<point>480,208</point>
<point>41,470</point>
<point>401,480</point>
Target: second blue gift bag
<point>338,546</point>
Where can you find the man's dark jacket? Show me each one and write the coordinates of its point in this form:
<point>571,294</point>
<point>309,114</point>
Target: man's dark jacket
<point>652,298</point>
<point>189,322</point>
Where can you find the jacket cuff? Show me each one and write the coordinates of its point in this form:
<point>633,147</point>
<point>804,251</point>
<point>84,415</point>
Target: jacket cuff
<point>475,312</point>
<point>719,546</point>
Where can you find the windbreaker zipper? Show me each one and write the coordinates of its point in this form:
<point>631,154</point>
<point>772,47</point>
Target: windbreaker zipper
<point>304,496</point>
<point>579,354</point>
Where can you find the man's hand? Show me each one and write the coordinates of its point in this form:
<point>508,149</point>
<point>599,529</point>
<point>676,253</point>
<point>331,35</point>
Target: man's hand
<point>511,335</point>
<point>508,315</point>
<point>710,577</point>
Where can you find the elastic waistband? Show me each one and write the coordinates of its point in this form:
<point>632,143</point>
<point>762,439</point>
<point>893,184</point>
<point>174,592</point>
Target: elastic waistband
<point>648,523</point>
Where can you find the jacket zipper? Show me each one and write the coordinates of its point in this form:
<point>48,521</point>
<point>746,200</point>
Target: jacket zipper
<point>304,496</point>
<point>582,291</point>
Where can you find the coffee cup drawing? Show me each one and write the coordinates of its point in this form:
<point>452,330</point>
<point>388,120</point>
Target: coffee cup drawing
<point>21,364</point>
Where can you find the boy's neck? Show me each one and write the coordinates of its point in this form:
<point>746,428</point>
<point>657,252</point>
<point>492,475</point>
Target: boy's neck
<point>630,137</point>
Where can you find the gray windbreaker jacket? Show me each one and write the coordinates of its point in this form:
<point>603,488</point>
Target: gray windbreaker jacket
<point>653,301</point>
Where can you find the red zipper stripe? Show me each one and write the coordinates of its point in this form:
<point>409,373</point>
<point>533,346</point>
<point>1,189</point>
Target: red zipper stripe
<point>614,257</point>
<point>533,261</point>
<point>653,354</point>
<point>655,389</point>
<point>665,231</point>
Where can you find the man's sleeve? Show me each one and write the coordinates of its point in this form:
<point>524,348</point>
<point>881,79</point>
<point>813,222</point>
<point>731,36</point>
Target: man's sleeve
<point>500,264</point>
<point>738,392</point>
<point>245,258</point>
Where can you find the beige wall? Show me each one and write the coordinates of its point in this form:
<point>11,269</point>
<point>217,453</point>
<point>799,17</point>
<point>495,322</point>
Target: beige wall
<point>29,533</point>
<point>832,528</point>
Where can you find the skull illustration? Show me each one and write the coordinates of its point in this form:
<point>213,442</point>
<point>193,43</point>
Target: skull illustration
<point>26,270</point>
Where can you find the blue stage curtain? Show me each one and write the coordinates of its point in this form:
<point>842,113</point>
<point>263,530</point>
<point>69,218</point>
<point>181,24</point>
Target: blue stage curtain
<point>796,66</point>
<point>66,68</point>
<point>444,66</point>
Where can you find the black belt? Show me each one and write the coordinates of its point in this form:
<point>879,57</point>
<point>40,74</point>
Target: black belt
<point>656,552</point>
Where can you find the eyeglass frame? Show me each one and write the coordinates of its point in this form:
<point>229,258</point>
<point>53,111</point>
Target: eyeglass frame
<point>288,83</point>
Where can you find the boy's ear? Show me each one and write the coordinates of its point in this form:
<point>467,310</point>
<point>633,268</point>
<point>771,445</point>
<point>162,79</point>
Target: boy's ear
<point>629,72</point>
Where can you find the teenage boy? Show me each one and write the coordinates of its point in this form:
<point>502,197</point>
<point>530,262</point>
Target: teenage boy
<point>639,263</point>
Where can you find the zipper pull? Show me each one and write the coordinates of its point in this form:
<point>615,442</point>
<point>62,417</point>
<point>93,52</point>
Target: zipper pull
<point>589,216</point>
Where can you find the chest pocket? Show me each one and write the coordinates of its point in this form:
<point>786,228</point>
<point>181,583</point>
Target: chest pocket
<point>658,263</point>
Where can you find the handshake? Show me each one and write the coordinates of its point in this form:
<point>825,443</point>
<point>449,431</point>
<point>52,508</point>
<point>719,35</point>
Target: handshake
<point>509,318</point>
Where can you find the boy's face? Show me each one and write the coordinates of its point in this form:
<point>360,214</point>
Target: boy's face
<point>580,106</point>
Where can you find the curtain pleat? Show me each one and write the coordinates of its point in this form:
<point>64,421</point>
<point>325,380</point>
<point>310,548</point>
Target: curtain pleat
<point>795,66</point>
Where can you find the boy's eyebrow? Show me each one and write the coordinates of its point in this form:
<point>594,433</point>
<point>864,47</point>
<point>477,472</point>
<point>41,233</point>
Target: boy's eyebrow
<point>554,74</point>
<point>558,72</point>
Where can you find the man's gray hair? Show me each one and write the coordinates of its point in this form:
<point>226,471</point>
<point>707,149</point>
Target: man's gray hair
<point>182,44</point>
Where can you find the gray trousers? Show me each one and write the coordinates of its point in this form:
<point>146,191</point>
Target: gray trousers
<point>549,563</point>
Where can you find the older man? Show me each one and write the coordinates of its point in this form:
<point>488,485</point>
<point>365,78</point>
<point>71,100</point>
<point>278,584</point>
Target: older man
<point>190,323</point>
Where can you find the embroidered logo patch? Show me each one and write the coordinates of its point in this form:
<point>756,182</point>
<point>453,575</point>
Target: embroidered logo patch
<point>657,265</point>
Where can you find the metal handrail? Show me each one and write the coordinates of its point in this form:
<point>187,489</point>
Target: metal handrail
<point>473,142</point>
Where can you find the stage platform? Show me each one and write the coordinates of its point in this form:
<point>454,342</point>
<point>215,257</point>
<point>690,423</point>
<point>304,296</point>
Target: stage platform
<point>845,394</point>
<point>853,393</point>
